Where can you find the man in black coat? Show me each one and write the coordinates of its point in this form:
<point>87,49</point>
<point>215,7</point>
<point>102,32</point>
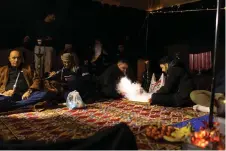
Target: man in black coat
<point>110,78</point>
<point>71,77</point>
<point>178,85</point>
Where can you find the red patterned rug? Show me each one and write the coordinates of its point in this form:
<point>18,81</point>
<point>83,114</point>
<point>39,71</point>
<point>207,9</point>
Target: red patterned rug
<point>62,124</point>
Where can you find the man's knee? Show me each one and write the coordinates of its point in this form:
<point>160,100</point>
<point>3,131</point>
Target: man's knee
<point>35,98</point>
<point>4,98</point>
<point>193,94</point>
<point>41,95</point>
<point>4,101</point>
<point>156,97</point>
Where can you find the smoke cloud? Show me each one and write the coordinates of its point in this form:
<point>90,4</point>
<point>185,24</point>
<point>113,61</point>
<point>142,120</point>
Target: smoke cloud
<point>133,91</point>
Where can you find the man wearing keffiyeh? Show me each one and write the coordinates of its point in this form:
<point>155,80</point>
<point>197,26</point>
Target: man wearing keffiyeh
<point>72,76</point>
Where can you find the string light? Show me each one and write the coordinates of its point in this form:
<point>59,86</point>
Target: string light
<point>184,11</point>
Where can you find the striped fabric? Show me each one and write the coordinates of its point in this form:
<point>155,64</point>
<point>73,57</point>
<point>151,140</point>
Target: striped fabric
<point>200,62</point>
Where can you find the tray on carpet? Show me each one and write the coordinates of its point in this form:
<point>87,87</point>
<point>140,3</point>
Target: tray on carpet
<point>63,124</point>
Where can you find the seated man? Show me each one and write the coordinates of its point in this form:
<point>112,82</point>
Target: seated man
<point>19,84</point>
<point>202,97</point>
<point>110,78</point>
<point>71,77</point>
<point>177,88</point>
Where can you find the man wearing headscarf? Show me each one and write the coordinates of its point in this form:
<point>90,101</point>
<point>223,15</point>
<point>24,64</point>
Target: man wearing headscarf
<point>72,76</point>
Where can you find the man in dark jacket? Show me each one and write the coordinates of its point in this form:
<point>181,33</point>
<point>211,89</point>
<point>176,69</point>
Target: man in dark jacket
<point>178,85</point>
<point>110,78</point>
<point>71,77</point>
<point>19,84</point>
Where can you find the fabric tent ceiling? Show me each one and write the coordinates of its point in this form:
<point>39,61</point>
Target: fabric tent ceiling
<point>148,5</point>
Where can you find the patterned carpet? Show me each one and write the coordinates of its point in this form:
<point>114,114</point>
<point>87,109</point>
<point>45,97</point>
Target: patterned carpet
<point>62,124</point>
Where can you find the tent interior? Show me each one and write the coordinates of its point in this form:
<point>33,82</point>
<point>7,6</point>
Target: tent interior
<point>149,30</point>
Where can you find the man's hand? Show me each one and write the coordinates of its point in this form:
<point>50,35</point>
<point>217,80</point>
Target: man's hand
<point>150,101</point>
<point>26,95</point>
<point>52,73</point>
<point>8,93</point>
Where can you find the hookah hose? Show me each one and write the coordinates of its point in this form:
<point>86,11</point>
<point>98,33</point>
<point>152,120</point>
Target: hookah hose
<point>15,86</point>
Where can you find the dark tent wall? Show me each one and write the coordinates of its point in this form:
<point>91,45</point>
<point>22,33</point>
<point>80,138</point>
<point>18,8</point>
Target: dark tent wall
<point>17,16</point>
<point>82,21</point>
<point>189,32</point>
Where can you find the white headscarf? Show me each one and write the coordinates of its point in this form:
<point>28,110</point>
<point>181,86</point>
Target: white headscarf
<point>66,57</point>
